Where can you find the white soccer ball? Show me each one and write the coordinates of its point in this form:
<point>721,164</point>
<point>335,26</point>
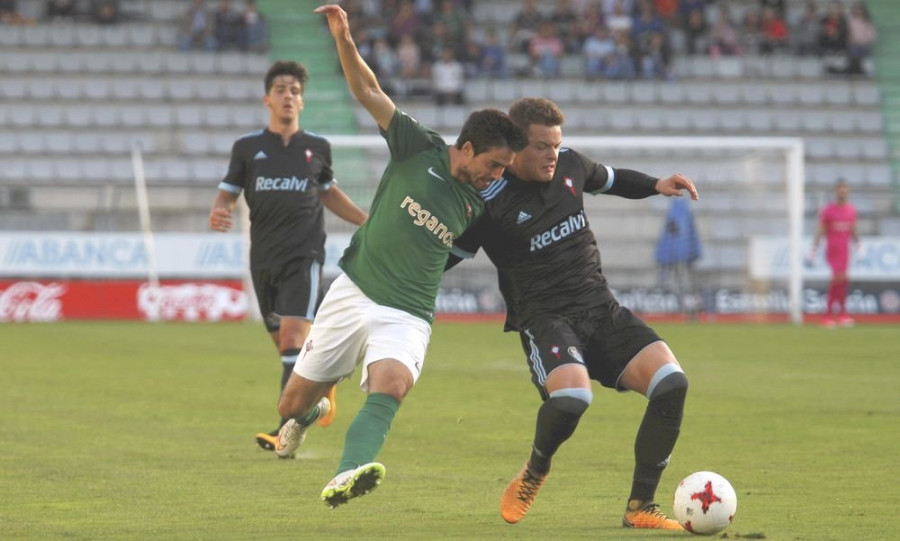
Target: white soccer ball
<point>705,503</point>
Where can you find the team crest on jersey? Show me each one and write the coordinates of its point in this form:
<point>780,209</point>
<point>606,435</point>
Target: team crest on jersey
<point>555,351</point>
<point>573,352</point>
<point>468,211</point>
<point>309,346</point>
<point>569,184</point>
<point>309,155</point>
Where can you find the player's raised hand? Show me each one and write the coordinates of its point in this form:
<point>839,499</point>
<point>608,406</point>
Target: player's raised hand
<point>220,219</point>
<point>337,19</point>
<point>674,185</point>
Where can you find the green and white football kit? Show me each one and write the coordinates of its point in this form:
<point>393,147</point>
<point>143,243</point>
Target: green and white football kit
<point>384,304</point>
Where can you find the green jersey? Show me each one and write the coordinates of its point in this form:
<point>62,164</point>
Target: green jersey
<point>397,256</point>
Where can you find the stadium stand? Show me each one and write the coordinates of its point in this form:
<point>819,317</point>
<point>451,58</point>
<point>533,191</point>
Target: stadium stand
<point>75,96</point>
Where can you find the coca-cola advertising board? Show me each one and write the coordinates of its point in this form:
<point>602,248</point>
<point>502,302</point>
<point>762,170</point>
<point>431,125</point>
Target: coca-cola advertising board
<point>57,300</point>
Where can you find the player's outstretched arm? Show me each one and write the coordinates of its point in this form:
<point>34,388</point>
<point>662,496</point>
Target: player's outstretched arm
<point>342,206</point>
<point>360,78</point>
<point>220,214</point>
<point>674,185</point>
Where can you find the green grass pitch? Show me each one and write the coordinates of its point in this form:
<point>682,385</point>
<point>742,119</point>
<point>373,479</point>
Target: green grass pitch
<point>136,431</point>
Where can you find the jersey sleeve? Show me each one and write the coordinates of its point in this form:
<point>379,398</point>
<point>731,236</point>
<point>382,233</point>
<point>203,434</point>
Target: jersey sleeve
<point>407,137</point>
<point>326,177</point>
<point>236,175</point>
<point>466,245</point>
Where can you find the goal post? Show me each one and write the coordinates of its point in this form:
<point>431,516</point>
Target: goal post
<point>751,199</point>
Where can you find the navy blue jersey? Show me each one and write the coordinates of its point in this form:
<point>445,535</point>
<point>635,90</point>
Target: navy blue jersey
<point>281,185</point>
<point>538,236</point>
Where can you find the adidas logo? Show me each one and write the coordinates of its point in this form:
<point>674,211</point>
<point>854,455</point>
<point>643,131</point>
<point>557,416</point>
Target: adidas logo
<point>260,155</point>
<point>523,217</point>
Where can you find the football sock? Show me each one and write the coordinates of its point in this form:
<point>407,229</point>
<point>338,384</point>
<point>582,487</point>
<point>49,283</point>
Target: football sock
<point>658,431</point>
<point>367,432</point>
<point>288,359</point>
<point>841,297</point>
<point>557,419</point>
<point>831,298</point>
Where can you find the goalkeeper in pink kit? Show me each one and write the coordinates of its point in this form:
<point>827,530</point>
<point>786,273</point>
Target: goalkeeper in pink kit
<point>837,224</point>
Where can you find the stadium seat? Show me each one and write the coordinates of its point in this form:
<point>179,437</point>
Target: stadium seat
<point>217,116</point>
<point>760,120</point>
<point>614,92</point>
<point>88,36</point>
<point>126,89</point>
<point>96,88</point>
<point>195,143</point>
<point>878,175</point>
<point>644,92</point>
<point>589,92</point>
<point>477,90</point>
<point>874,149</point>
<point>818,147</point>
<point>188,116</point>
<point>843,121</point>
<point>870,122</point>
<point>649,120</point>
<point>837,94</point>
<point>78,117</point>
<point>815,120</point>
<point>866,94</point>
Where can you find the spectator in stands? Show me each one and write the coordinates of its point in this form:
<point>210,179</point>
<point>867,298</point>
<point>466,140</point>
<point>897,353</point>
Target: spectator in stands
<point>591,19</point>
<point>667,11</point>
<point>861,35</point>
<point>725,37</point>
<point>596,50</point>
<point>833,31</point>
<point>105,11</point>
<point>196,29</point>
<point>471,59</point>
<point>566,22</point>
<point>696,33</point>
<point>9,13</point>
<point>546,51</point>
<point>405,23</point>
<point>525,27</point>
<point>686,7</point>
<point>255,37</point>
<point>654,57</point>
<point>774,32</point>
<point>386,65</point>
<point>448,79</point>
<point>619,65</point>
<point>227,26</point>
<point>410,58</point>
<point>493,56</point>
<point>610,7</point>
<point>805,30</point>
<point>455,21</point>
<point>620,19</point>
<point>777,5</point>
<point>751,33</point>
<point>59,9</point>
<point>646,24</point>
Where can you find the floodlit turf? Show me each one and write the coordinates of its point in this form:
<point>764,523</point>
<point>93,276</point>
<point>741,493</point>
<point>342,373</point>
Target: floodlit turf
<point>135,431</point>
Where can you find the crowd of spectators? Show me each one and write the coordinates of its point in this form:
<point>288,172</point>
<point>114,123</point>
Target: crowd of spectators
<point>97,11</point>
<point>439,41</point>
<point>223,28</point>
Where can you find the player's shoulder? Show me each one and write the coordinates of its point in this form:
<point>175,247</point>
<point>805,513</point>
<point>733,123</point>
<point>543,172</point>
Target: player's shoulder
<point>494,189</point>
<point>314,139</point>
<point>249,140</point>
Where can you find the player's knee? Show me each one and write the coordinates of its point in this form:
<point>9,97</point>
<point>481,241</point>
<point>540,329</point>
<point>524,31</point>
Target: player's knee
<point>667,393</point>
<point>574,401</point>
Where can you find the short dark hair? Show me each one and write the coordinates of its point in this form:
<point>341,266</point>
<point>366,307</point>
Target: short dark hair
<point>527,111</point>
<point>286,67</point>
<point>491,128</point>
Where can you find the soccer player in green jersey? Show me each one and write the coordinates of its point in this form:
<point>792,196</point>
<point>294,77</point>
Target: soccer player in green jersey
<point>378,313</point>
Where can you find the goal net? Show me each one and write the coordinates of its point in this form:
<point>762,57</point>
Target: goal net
<point>734,254</point>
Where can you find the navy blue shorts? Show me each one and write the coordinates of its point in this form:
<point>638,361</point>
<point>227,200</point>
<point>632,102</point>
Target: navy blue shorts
<point>604,341</point>
<point>291,290</point>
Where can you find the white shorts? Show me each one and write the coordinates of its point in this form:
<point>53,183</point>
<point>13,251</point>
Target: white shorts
<point>350,329</point>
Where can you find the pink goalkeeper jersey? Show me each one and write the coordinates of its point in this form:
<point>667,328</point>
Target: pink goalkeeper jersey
<point>838,221</point>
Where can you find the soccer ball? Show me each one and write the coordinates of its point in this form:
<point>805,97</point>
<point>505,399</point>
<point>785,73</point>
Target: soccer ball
<point>705,503</point>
